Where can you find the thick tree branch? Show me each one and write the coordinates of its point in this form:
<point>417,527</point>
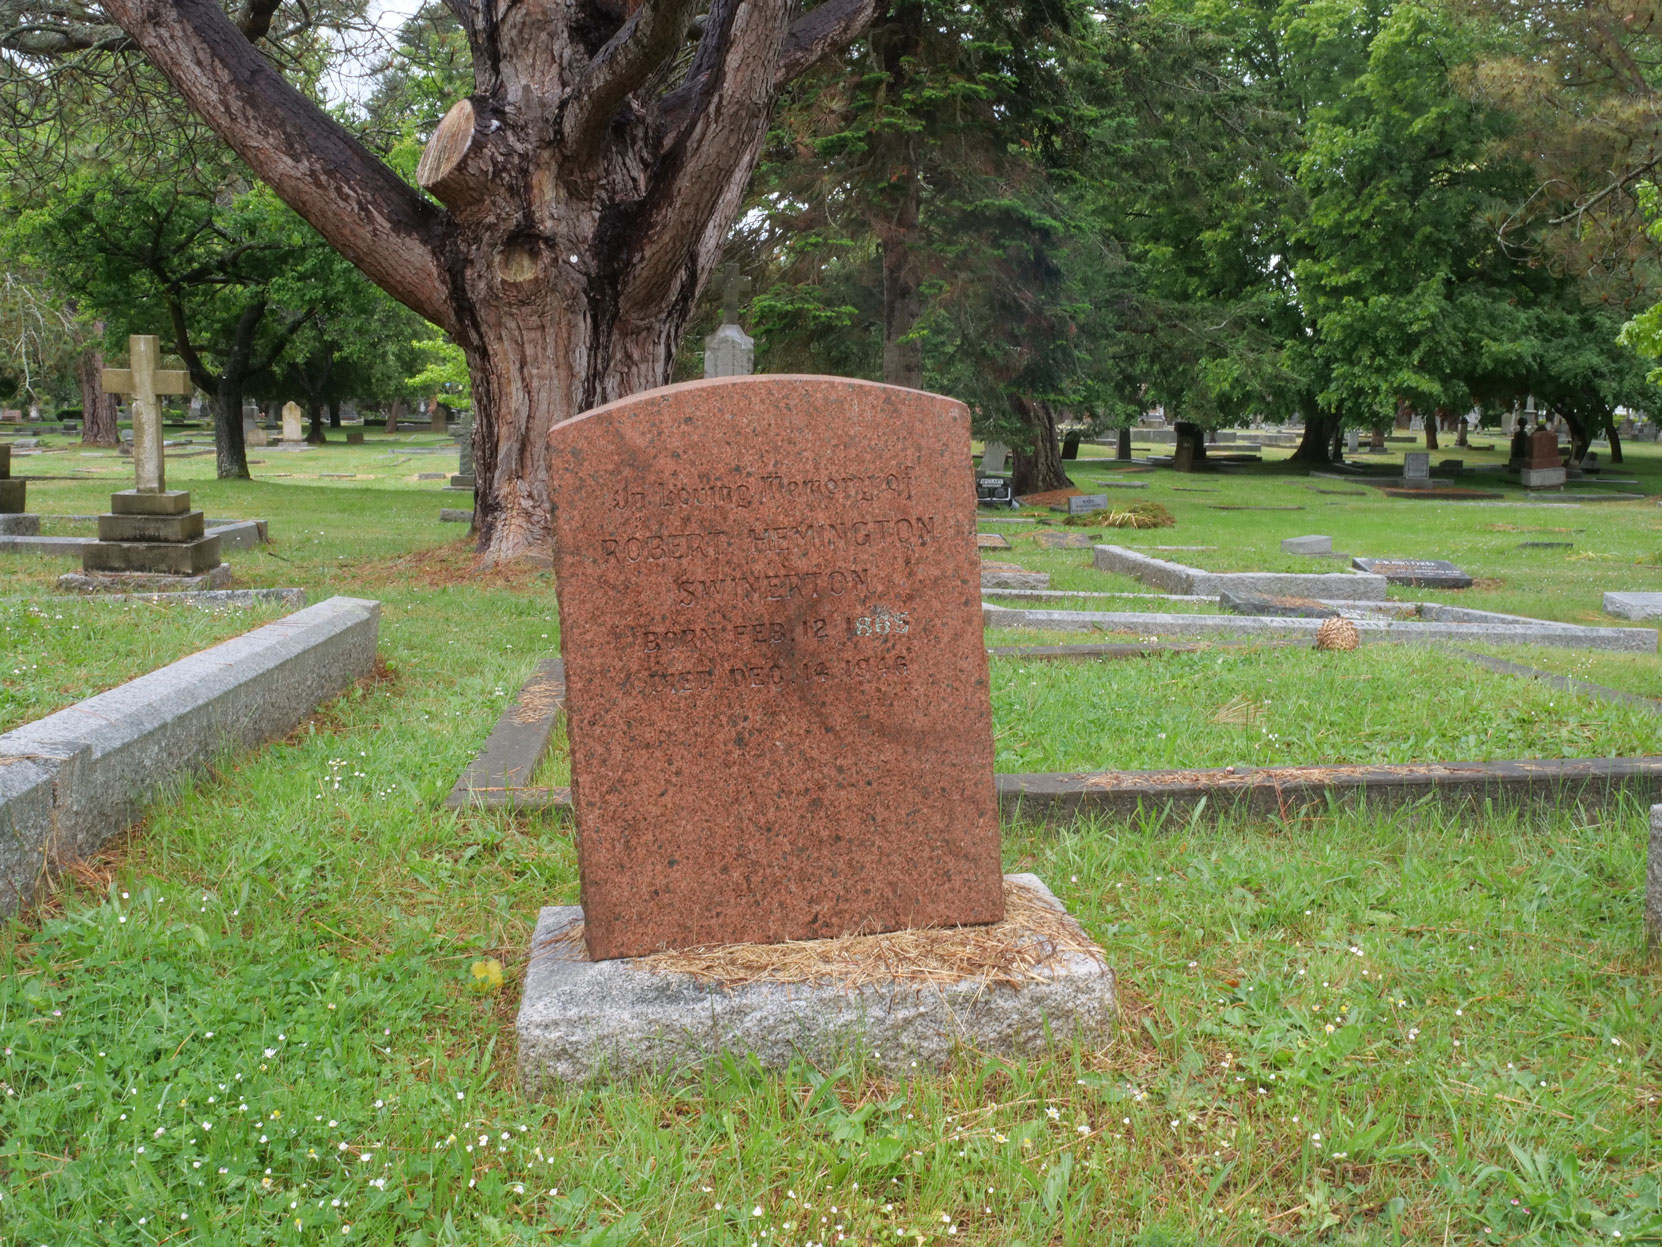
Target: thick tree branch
<point>35,29</point>
<point>358,204</point>
<point>824,29</point>
<point>626,61</point>
<point>704,171</point>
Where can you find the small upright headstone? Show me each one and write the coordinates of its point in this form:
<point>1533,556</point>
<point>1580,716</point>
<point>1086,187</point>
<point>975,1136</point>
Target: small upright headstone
<point>1307,545</point>
<point>1087,504</point>
<point>293,429</point>
<point>776,680</point>
<point>993,458</point>
<point>1546,466</point>
<point>1353,441</point>
<point>14,522</point>
<point>1070,444</point>
<point>730,351</point>
<point>464,478</point>
<point>438,420</point>
<point>354,437</point>
<point>1518,453</point>
<point>1416,470</point>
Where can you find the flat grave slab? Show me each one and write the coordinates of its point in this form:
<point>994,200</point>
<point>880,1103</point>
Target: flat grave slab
<point>991,541</point>
<point>1632,605</point>
<point>501,773</point>
<point>1422,573</point>
<point>1066,541</point>
<point>1307,545</point>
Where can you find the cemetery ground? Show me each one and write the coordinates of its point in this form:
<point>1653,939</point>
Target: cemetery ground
<point>254,1018</point>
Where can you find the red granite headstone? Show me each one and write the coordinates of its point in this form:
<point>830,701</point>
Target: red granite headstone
<point>776,681</point>
<point>1543,450</point>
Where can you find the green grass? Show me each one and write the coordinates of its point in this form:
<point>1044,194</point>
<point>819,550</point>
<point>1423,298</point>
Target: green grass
<point>60,650</point>
<point>1262,707</point>
<point>1458,1005</point>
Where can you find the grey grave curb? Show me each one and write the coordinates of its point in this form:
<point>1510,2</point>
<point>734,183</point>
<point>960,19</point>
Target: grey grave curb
<point>500,776</point>
<point>1291,791</point>
<point>72,780</point>
<point>207,599</point>
<point>1569,685</point>
<point>581,1020</point>
<point>1180,578</point>
<point>232,534</point>
<point>1532,632</point>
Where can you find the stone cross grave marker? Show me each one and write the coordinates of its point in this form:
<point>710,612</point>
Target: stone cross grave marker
<point>730,351</point>
<point>777,689</point>
<point>145,382</point>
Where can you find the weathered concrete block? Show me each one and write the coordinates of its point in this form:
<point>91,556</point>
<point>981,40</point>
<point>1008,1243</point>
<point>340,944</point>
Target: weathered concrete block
<point>1633,605</point>
<point>1307,545</point>
<point>239,534</point>
<point>12,495</point>
<point>582,1019</point>
<point>145,583</point>
<point>169,502</point>
<point>1542,478</point>
<point>112,754</point>
<point>190,558</point>
<point>187,526</point>
<point>18,525</point>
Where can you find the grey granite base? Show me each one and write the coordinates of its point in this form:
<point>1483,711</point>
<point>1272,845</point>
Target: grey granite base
<point>991,581</point>
<point>144,582</point>
<point>1653,880</point>
<point>581,1020</point>
<point>1635,606</point>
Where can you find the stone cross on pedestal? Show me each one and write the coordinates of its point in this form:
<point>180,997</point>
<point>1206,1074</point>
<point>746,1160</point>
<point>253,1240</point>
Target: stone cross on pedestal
<point>730,351</point>
<point>145,382</point>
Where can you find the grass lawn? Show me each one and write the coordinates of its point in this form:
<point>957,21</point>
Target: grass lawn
<point>251,1019</point>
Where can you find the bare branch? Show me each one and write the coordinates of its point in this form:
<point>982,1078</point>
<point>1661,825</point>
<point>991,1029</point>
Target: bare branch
<point>827,28</point>
<point>626,61</point>
<point>360,206</point>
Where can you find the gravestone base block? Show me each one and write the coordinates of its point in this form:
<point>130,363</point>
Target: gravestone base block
<point>144,582</point>
<point>19,524</point>
<point>12,495</point>
<point>1542,478</point>
<point>582,1021</point>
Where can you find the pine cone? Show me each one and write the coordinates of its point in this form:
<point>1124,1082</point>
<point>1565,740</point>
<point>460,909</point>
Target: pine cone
<point>1337,634</point>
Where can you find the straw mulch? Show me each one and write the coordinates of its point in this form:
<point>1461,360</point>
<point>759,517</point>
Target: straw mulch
<point>1022,948</point>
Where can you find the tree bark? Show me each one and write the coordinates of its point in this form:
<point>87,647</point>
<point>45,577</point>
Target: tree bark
<point>1615,442</point>
<point>394,410</point>
<point>1123,450</point>
<point>334,413</point>
<point>1431,432</point>
<point>1336,451</point>
<point>1037,469</point>
<point>1313,446</point>
<point>315,410</point>
<point>899,40</point>
<point>230,454</point>
<point>97,407</point>
<point>585,204</point>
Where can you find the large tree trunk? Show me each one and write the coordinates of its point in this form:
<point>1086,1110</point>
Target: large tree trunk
<point>97,407</point>
<point>1318,435</point>
<point>1123,450</point>
<point>1615,442</point>
<point>898,40</point>
<point>394,410</point>
<point>314,417</point>
<point>1431,431</point>
<point>334,413</point>
<point>588,182</point>
<point>1038,469</point>
<point>230,454</point>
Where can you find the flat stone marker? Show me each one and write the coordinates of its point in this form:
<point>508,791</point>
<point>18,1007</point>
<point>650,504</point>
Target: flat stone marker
<point>1307,545</point>
<point>991,541</point>
<point>1633,605</point>
<point>1066,541</point>
<point>1085,504</point>
<point>1425,573</point>
<point>777,691</point>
